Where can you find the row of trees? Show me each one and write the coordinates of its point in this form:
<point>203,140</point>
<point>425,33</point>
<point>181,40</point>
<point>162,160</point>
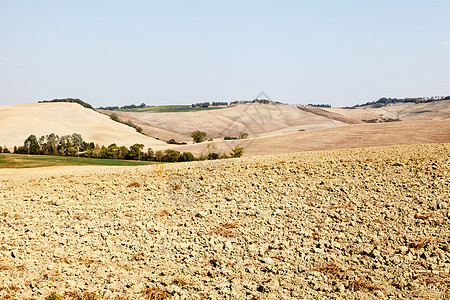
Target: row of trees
<point>208,104</point>
<point>320,105</point>
<point>69,100</point>
<point>242,135</point>
<point>200,136</point>
<point>385,101</point>
<point>131,106</point>
<point>74,145</point>
<point>261,101</point>
<point>116,118</point>
<point>4,150</point>
<point>53,144</point>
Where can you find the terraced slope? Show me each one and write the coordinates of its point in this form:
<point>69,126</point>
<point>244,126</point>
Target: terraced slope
<point>350,224</point>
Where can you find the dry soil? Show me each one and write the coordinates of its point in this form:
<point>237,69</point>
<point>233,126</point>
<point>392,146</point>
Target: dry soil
<point>341,224</point>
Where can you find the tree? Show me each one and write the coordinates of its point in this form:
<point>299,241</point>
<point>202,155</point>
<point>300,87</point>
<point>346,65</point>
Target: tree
<point>171,155</point>
<point>213,155</point>
<point>187,156</point>
<point>150,154</point>
<point>237,151</point>
<point>77,140</point>
<point>32,145</point>
<point>53,141</point>
<point>136,151</point>
<point>198,136</point>
<point>123,152</point>
<point>159,155</point>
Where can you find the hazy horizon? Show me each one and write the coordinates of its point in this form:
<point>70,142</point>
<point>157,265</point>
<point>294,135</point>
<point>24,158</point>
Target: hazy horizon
<point>297,52</point>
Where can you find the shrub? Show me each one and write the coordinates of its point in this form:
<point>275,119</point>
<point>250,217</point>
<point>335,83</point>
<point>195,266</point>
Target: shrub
<point>198,136</point>
<point>212,156</point>
<point>171,155</point>
<point>114,117</point>
<point>6,150</point>
<point>187,156</point>
<point>237,151</point>
<point>243,135</point>
<point>174,142</point>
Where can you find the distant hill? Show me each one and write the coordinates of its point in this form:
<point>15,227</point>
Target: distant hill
<point>269,127</point>
<point>385,101</point>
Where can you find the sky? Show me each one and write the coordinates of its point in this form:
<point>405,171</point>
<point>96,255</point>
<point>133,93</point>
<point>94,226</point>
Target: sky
<point>108,52</point>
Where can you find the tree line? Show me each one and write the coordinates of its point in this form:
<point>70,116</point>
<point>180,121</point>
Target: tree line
<point>74,145</point>
<point>131,106</point>
<point>69,100</point>
<point>385,101</point>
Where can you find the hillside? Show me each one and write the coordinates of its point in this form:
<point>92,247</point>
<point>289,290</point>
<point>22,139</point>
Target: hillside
<point>271,128</point>
<point>269,119</point>
<point>17,122</point>
<point>255,119</point>
<point>343,224</point>
<point>436,110</point>
<point>349,136</point>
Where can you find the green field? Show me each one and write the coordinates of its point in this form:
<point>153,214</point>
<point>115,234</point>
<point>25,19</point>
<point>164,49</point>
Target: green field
<point>169,108</point>
<point>34,161</point>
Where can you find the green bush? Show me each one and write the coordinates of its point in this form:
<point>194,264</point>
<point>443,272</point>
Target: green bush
<point>237,151</point>
<point>198,136</point>
<point>114,117</point>
<point>212,156</point>
<point>187,156</point>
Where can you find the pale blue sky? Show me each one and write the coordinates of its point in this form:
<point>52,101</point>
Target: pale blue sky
<point>180,52</point>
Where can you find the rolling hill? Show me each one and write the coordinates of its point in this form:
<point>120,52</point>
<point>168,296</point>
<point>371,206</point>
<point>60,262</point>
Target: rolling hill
<point>17,122</point>
<point>271,128</point>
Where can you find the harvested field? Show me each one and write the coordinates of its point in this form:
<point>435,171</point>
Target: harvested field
<point>17,122</point>
<point>358,223</point>
<point>342,137</point>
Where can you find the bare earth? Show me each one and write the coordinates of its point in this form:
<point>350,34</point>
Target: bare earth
<point>350,136</point>
<point>260,120</point>
<point>255,119</point>
<point>345,224</point>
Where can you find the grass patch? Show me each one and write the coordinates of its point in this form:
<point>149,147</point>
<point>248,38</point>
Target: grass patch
<point>35,161</point>
<point>168,108</point>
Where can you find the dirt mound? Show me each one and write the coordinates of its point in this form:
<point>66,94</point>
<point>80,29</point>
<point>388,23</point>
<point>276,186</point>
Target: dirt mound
<point>356,223</point>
